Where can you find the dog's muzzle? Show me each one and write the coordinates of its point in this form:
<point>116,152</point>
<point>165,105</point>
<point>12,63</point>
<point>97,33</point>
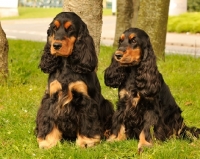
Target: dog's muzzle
<point>57,45</point>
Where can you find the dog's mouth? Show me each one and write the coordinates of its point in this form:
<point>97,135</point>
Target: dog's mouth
<point>58,53</point>
<point>130,57</point>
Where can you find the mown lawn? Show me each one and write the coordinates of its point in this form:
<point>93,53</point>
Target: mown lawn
<point>22,93</point>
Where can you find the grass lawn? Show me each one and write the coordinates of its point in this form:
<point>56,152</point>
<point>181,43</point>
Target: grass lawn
<point>22,93</point>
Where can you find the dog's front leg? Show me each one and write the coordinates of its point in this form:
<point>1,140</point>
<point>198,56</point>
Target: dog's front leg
<point>54,87</point>
<point>118,127</point>
<point>89,127</point>
<point>50,140</point>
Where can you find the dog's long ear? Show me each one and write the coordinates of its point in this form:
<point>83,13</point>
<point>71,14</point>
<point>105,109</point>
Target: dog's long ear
<point>148,77</point>
<point>48,62</point>
<point>83,58</point>
<point>115,74</point>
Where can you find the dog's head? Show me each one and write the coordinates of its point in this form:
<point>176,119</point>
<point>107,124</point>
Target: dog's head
<point>133,45</point>
<point>69,37</point>
<point>135,50</point>
<point>63,32</point>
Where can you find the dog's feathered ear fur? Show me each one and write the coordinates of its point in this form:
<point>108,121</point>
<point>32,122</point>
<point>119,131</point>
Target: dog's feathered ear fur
<point>83,58</point>
<point>49,63</point>
<point>114,74</point>
<point>148,77</point>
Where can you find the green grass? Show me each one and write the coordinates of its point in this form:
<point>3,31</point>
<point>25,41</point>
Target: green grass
<point>30,12</point>
<point>187,22</point>
<point>21,96</point>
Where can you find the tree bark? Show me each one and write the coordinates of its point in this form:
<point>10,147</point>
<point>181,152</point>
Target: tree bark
<point>90,12</point>
<point>3,55</point>
<point>153,17</point>
<point>136,4</point>
<point>124,18</point>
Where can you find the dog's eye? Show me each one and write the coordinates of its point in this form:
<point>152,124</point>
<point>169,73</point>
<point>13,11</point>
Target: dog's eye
<point>68,29</point>
<point>133,40</point>
<point>54,27</point>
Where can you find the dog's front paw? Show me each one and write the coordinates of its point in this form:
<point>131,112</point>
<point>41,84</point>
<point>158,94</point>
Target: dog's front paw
<point>112,138</point>
<point>50,140</point>
<point>142,142</point>
<point>46,144</point>
<point>84,142</point>
<point>120,136</point>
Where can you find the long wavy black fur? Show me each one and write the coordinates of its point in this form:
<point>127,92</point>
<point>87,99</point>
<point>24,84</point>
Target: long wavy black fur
<point>156,108</point>
<point>88,115</point>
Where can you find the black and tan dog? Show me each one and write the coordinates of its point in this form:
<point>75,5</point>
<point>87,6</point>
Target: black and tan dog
<point>72,107</point>
<point>145,106</point>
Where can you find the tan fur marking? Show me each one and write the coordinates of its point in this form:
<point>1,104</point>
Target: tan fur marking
<point>122,37</point>
<point>67,46</point>
<point>134,54</point>
<point>131,36</point>
<point>142,141</point>
<point>136,100</point>
<point>123,93</point>
<point>51,139</point>
<point>67,24</point>
<point>55,86</point>
<point>78,86</point>
<point>56,23</point>
<point>121,135</point>
<point>130,56</point>
<point>84,141</point>
<point>111,138</point>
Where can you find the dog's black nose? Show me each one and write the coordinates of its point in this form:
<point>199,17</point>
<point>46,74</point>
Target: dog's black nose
<point>57,45</point>
<point>118,56</point>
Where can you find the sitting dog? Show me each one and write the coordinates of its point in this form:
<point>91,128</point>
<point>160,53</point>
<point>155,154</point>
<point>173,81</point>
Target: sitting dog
<point>146,108</point>
<point>72,107</point>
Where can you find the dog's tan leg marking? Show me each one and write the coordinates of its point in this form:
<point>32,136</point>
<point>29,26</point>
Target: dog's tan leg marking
<point>123,93</point>
<point>50,140</point>
<point>55,86</point>
<point>120,136</point>
<point>83,141</point>
<point>142,141</point>
<point>136,100</point>
<point>78,86</point>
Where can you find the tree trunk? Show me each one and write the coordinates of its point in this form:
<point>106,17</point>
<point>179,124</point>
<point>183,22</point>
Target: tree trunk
<point>136,4</point>
<point>3,55</point>
<point>124,18</point>
<point>90,12</point>
<point>152,18</point>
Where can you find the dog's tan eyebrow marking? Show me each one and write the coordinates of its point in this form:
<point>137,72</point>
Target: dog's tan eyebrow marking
<point>67,24</point>
<point>131,36</point>
<point>56,23</point>
<point>122,37</point>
